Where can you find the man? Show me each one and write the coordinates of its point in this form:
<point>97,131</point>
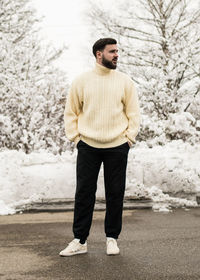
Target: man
<point>102,117</point>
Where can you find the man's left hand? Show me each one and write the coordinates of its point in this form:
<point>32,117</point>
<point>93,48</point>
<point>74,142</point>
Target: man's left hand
<point>130,143</point>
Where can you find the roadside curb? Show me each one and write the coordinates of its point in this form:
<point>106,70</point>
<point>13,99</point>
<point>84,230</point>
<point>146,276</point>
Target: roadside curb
<point>63,205</point>
<point>67,204</point>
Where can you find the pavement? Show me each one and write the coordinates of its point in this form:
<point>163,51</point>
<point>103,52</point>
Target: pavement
<point>153,245</point>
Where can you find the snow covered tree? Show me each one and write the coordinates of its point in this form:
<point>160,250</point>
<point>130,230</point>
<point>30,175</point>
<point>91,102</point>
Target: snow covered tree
<point>31,87</point>
<point>159,47</point>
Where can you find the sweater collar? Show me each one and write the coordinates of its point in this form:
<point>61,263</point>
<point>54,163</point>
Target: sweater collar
<point>102,70</point>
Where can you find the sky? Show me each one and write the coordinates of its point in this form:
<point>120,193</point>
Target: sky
<point>64,24</point>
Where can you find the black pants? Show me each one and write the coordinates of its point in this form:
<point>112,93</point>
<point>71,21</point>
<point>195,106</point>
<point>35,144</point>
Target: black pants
<point>88,165</point>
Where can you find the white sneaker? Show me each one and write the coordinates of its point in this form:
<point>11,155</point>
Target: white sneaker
<point>74,248</point>
<point>112,248</point>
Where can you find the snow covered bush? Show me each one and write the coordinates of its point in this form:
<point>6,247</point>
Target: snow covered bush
<point>152,130</point>
<point>32,89</point>
<point>178,126</point>
<point>182,126</point>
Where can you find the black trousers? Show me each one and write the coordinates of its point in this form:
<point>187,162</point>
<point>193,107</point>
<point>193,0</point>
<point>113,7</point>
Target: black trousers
<point>88,165</point>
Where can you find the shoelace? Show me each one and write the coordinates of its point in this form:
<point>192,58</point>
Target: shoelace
<point>72,243</point>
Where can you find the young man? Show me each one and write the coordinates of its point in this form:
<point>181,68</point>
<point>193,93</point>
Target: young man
<point>102,117</point>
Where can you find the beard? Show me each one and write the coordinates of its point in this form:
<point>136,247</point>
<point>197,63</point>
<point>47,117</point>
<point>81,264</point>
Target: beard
<point>108,63</point>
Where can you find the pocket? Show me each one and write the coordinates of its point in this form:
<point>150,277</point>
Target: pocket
<point>125,145</point>
<point>78,143</point>
<point>128,144</point>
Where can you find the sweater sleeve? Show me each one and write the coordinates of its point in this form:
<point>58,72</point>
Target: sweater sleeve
<point>132,111</point>
<point>71,112</point>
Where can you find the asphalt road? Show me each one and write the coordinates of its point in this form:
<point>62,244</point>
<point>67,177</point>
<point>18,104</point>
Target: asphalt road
<point>153,246</point>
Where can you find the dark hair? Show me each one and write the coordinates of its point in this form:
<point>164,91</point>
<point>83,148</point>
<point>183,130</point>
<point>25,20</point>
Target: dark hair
<point>100,44</point>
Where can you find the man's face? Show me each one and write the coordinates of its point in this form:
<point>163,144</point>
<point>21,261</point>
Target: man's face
<point>109,56</point>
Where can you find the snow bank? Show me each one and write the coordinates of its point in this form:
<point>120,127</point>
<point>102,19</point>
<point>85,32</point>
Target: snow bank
<point>173,167</point>
<point>151,172</point>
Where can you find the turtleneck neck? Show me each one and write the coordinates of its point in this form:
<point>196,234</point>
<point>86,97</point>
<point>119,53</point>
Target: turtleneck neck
<point>102,70</point>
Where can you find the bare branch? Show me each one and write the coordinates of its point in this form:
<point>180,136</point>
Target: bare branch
<point>172,5</point>
<point>178,20</point>
<point>195,94</point>
<point>21,37</point>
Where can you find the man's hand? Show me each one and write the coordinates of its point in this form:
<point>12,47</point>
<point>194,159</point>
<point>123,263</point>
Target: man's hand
<point>130,143</point>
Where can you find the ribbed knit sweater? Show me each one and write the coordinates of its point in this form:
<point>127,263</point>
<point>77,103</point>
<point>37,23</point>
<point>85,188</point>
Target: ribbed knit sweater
<point>102,108</point>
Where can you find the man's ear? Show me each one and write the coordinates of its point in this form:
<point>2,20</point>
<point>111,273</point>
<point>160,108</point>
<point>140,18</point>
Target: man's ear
<point>98,54</point>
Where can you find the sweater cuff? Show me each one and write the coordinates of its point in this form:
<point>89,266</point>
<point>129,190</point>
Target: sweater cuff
<point>131,141</point>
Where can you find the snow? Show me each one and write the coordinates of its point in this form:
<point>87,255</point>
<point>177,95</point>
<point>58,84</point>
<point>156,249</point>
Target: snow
<point>151,172</point>
<point>32,87</point>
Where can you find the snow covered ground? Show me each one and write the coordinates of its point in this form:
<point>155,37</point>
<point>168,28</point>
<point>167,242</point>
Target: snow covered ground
<point>151,172</point>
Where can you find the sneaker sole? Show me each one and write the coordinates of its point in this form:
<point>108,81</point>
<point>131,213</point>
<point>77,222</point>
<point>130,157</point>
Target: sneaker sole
<point>112,254</point>
<point>72,254</point>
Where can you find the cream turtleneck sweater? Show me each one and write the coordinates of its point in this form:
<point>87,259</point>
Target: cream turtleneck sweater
<point>102,108</point>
